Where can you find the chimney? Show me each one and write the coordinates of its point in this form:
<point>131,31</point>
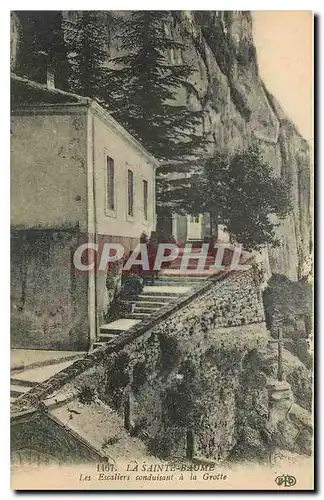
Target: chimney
<point>50,76</point>
<point>47,73</point>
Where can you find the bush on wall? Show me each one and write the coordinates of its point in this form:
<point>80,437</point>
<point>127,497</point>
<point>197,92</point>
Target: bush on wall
<point>139,376</point>
<point>117,378</point>
<point>170,352</point>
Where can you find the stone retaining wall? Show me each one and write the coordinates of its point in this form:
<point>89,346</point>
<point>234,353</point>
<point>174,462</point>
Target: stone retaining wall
<point>181,373</point>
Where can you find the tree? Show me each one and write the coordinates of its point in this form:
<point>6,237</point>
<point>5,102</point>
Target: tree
<point>87,40</point>
<point>42,44</point>
<point>141,87</point>
<point>240,191</point>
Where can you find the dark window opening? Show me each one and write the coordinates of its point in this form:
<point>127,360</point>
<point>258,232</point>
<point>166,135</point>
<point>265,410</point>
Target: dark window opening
<point>110,184</point>
<point>130,183</point>
<point>145,199</point>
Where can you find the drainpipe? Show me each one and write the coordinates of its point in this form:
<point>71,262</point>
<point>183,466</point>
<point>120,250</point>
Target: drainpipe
<point>154,199</point>
<point>92,231</point>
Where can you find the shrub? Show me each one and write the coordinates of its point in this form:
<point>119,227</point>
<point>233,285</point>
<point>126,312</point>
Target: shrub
<point>169,351</point>
<point>139,375</point>
<point>132,285</point>
<point>117,378</point>
<point>86,395</point>
<point>181,401</point>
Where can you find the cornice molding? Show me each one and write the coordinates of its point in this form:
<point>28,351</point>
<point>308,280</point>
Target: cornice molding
<point>121,131</point>
<point>82,108</point>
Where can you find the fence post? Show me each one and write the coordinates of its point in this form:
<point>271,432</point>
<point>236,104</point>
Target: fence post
<point>190,445</point>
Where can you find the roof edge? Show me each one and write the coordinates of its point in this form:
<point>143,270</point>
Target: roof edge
<point>106,116</point>
<point>40,86</point>
<point>78,100</point>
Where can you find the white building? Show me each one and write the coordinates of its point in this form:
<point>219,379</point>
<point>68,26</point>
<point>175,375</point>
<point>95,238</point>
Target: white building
<point>76,176</point>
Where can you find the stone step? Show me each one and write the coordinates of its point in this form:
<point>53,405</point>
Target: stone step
<point>105,337</point>
<point>37,375</point>
<point>22,359</point>
<point>172,282</point>
<point>18,390</point>
<point>153,298</point>
<point>96,345</point>
<point>149,305</point>
<point>147,310</point>
<point>209,257</point>
<point>191,269</point>
<point>59,400</point>
<point>166,277</point>
<point>114,333</point>
<point>165,290</point>
<point>175,271</point>
<point>138,315</point>
<point>117,326</point>
<point>26,383</point>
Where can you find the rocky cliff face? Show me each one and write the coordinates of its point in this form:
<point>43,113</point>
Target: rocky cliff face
<point>240,111</point>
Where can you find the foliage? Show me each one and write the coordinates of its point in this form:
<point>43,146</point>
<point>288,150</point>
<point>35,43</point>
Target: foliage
<point>251,419</point>
<point>240,192</point>
<point>87,38</point>
<point>170,352</point>
<point>284,300</point>
<point>301,385</point>
<point>110,441</point>
<point>139,375</point>
<point>181,400</point>
<point>258,272</point>
<point>42,43</point>
<point>132,285</point>
<point>86,394</point>
<point>142,85</point>
<point>117,378</point>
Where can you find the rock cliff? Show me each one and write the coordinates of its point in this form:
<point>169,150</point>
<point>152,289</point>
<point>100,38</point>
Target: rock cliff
<point>240,111</point>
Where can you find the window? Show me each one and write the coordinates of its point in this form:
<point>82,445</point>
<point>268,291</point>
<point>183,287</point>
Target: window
<point>194,218</point>
<point>130,184</point>
<point>110,184</point>
<point>145,199</point>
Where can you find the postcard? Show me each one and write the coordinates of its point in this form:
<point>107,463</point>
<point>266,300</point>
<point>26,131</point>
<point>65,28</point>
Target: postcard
<point>162,250</point>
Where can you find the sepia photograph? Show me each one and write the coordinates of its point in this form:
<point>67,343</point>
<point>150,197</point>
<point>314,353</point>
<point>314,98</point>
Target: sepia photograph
<point>161,250</point>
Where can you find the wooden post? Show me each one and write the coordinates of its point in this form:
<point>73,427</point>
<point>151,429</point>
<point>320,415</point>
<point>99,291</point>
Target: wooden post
<point>190,451</point>
<point>280,375</point>
<point>127,413</point>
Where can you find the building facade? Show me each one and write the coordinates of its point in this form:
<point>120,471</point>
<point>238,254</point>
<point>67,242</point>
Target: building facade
<point>77,176</point>
<point>190,228</point>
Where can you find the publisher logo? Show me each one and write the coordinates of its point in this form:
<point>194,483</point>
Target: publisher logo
<point>286,480</point>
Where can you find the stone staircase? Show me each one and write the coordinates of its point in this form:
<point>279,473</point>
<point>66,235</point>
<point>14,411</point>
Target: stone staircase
<point>170,284</point>
<point>19,387</point>
<point>21,381</point>
<point>153,298</point>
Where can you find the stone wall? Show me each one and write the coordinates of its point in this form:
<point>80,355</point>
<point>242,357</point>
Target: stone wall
<point>48,166</point>
<point>39,438</point>
<point>178,375</point>
<point>49,303</point>
<point>187,375</point>
<point>184,374</point>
